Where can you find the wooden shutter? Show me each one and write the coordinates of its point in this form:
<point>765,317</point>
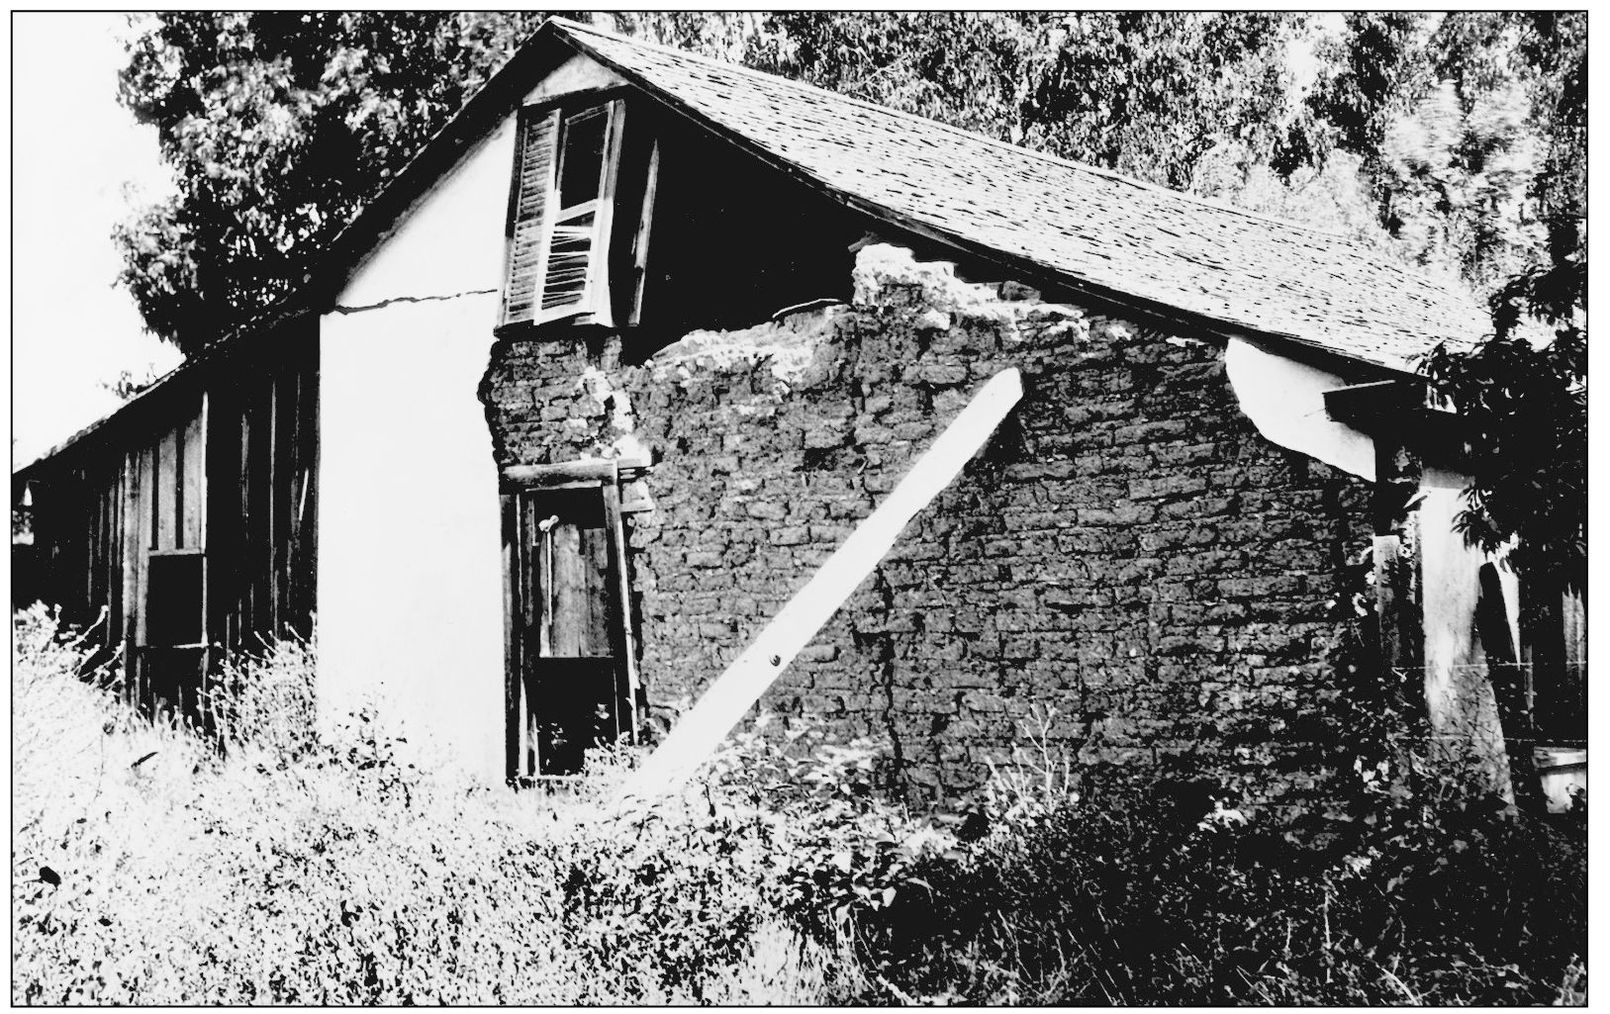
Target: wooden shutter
<point>528,223</point>
<point>575,273</point>
<point>561,215</point>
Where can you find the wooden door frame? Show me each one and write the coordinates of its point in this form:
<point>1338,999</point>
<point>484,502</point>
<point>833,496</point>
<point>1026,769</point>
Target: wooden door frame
<point>515,482</point>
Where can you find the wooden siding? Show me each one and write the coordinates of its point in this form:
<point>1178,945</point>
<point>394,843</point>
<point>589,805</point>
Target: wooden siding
<point>79,531</point>
<point>227,472</point>
<point>262,467</point>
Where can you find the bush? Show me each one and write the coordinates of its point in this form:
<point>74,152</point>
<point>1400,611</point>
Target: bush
<point>266,700</point>
<point>1137,897</point>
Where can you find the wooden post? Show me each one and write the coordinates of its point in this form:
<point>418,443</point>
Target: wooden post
<point>620,619</point>
<point>1397,573</point>
<point>511,649</point>
<point>701,730</point>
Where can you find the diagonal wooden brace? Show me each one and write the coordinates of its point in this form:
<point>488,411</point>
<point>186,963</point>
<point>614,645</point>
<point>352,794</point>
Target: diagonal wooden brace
<point>702,729</point>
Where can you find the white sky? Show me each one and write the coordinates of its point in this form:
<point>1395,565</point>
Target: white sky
<point>73,150</point>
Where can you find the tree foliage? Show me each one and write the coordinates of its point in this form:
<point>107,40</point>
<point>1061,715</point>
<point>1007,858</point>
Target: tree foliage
<point>278,125</point>
<point>1524,394</point>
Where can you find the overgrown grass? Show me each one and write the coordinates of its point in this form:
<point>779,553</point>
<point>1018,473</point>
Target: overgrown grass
<point>296,868</point>
<point>1129,901</point>
<point>147,869</point>
<point>1089,891</point>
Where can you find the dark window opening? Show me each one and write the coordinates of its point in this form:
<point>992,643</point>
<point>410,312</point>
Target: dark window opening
<point>173,600</point>
<point>172,661</point>
<point>1555,644</point>
<point>582,159</point>
<point>1538,683</point>
<point>734,241</point>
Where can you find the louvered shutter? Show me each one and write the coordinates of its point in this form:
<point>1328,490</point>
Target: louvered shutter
<point>561,216</point>
<point>574,279</point>
<point>528,219</point>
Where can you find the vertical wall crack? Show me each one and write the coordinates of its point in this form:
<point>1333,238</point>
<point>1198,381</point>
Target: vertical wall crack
<point>897,758</point>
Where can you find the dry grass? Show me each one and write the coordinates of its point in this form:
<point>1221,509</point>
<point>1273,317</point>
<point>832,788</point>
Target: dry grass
<point>147,869</point>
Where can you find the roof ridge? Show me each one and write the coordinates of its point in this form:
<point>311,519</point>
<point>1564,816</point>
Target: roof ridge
<point>1109,174</point>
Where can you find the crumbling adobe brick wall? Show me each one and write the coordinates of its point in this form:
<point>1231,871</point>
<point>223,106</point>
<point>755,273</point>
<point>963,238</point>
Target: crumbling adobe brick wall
<point>1128,550</point>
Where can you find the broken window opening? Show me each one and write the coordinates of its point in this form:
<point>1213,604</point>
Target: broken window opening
<point>733,240</point>
<point>173,599</point>
<point>561,207</point>
<point>571,640</point>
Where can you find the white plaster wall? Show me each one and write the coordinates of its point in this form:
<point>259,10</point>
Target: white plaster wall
<point>1285,400</point>
<point>574,75</point>
<point>1460,704</point>
<point>452,241</point>
<point>1454,483</point>
<point>410,565</point>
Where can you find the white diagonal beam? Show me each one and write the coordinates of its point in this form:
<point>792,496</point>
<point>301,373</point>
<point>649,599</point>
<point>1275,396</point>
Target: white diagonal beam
<point>701,730</point>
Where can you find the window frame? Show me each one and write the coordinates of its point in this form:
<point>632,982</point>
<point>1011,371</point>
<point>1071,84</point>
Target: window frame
<point>595,304</point>
<point>157,559</point>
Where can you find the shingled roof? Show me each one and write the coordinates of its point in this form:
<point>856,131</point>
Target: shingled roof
<point>1095,229</point>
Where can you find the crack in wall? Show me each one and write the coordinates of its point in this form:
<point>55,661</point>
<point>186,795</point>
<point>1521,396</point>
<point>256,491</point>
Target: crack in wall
<point>897,756</point>
<point>411,299</point>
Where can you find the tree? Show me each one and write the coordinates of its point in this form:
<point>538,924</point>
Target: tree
<point>1472,129</point>
<point>1374,72</point>
<point>129,384</point>
<point>1523,390</point>
<point>280,125</point>
<point>1153,94</point>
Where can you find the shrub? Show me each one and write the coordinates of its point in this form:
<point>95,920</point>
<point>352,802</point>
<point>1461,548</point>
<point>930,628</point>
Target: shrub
<point>266,700</point>
<point>1134,898</point>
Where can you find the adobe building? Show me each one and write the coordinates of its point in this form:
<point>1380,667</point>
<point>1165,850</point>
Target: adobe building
<point>633,344</point>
